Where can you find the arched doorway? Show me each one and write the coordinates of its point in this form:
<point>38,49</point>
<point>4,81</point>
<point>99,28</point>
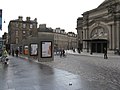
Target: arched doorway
<point>98,39</point>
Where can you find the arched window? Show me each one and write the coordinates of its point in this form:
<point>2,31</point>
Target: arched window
<point>98,31</point>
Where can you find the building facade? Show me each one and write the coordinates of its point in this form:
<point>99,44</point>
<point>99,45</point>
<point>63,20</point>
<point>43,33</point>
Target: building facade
<point>5,38</point>
<point>19,29</point>
<point>100,28</point>
<point>65,40</point>
<point>61,38</point>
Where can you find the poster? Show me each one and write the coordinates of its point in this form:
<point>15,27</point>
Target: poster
<point>26,50</point>
<point>33,49</point>
<point>46,49</point>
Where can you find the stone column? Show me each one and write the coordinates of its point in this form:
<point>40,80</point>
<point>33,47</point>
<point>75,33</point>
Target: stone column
<point>113,37</point>
<point>117,34</point>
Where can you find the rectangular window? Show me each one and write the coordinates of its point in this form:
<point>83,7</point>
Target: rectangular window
<point>16,40</point>
<point>16,24</point>
<point>16,33</point>
<point>23,32</point>
<point>24,25</point>
<point>31,26</point>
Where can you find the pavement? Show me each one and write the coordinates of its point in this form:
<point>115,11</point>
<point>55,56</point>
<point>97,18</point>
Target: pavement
<point>22,74</point>
<point>85,53</point>
<point>74,72</point>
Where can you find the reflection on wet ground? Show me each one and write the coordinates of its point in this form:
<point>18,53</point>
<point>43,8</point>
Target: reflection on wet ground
<point>25,75</point>
<point>22,74</point>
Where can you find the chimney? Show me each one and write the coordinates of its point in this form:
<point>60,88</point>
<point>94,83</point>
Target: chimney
<point>27,18</point>
<point>35,19</point>
<point>20,18</point>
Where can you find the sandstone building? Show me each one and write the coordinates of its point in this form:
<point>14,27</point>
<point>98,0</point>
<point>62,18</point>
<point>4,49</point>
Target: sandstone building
<point>19,30</point>
<point>61,38</point>
<point>100,28</point>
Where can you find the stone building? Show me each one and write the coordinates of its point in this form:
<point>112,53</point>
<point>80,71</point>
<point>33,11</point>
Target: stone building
<point>61,38</point>
<point>5,38</point>
<point>19,29</point>
<point>100,28</point>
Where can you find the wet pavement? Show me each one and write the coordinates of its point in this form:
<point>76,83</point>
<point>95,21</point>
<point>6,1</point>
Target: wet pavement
<point>70,73</point>
<point>22,74</point>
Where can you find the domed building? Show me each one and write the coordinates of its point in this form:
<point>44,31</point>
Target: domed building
<point>100,28</point>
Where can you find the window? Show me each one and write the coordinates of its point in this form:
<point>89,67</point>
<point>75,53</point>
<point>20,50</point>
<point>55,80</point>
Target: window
<point>24,25</point>
<point>31,26</point>
<point>23,32</point>
<point>16,40</point>
<point>16,24</point>
<point>16,33</point>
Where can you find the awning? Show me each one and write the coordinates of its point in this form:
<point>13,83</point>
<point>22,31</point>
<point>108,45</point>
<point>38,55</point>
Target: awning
<point>95,40</point>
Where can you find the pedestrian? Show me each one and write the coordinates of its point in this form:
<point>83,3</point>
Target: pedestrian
<point>78,50</point>
<point>4,54</point>
<point>9,52</point>
<point>73,49</point>
<point>62,53</point>
<point>13,52</point>
<point>16,52</point>
<point>105,53</point>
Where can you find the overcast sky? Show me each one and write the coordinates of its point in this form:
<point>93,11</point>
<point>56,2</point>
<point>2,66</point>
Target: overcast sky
<point>53,13</point>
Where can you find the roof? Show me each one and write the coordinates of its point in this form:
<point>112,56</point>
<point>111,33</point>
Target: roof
<point>107,2</point>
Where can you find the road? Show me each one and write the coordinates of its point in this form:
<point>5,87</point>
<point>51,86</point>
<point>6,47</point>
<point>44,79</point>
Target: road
<point>95,71</point>
<point>84,72</point>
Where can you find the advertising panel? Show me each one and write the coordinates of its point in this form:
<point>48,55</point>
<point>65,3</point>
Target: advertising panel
<point>46,49</point>
<point>33,49</point>
<point>26,50</point>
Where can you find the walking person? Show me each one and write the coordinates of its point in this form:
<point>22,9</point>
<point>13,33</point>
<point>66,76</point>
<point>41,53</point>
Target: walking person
<point>105,53</point>
<point>4,55</point>
<point>62,53</point>
<point>16,52</point>
<point>13,52</point>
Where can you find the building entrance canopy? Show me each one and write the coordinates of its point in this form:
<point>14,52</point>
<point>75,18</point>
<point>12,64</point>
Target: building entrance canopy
<point>96,40</point>
<point>96,45</point>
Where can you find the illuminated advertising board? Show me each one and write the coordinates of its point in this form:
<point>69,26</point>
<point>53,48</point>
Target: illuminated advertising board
<point>46,49</point>
<point>33,49</point>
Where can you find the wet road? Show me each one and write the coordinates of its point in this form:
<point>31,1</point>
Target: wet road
<point>22,74</point>
<point>95,73</point>
<point>85,73</point>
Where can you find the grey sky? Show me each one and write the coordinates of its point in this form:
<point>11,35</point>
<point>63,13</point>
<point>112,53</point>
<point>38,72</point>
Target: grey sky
<point>54,13</point>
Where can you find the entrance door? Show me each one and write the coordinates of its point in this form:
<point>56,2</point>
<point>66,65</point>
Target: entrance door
<point>93,47</point>
<point>98,45</point>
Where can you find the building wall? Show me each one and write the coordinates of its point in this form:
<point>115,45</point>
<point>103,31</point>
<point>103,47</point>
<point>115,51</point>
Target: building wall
<point>19,29</point>
<point>61,38</point>
<point>105,20</point>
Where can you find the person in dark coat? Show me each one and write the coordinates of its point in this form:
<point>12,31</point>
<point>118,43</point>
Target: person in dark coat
<point>16,52</point>
<point>62,53</point>
<point>12,52</point>
<point>105,53</point>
